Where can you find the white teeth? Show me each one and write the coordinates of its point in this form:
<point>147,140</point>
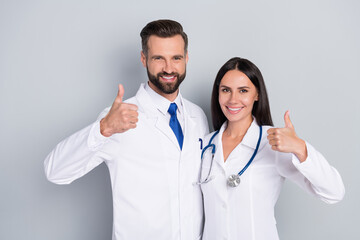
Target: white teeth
<point>168,77</point>
<point>234,109</point>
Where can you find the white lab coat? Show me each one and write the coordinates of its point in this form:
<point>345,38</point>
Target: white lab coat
<point>246,212</point>
<point>152,180</point>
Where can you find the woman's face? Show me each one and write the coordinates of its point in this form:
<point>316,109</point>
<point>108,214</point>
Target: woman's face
<point>237,95</point>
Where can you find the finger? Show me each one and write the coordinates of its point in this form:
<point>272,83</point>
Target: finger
<point>132,118</point>
<point>271,131</point>
<point>275,148</point>
<point>132,114</point>
<point>271,136</point>
<point>131,125</point>
<point>273,142</point>
<point>120,94</point>
<point>287,120</point>
<point>129,106</point>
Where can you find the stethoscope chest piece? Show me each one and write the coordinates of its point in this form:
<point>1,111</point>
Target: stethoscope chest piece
<point>233,180</point>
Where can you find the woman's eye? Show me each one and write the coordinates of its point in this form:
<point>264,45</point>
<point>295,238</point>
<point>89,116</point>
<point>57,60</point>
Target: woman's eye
<point>243,91</point>
<point>225,90</point>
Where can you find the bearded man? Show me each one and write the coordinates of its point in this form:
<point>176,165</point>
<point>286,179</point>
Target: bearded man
<point>150,143</point>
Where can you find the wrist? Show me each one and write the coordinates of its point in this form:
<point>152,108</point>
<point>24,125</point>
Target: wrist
<point>104,130</point>
<point>301,151</point>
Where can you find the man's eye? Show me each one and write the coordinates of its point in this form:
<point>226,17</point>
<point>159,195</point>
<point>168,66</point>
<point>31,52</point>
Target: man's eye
<point>177,58</point>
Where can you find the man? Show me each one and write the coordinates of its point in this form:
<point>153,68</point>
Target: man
<point>150,144</point>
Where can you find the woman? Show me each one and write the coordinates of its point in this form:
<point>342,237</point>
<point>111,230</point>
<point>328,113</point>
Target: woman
<point>247,160</point>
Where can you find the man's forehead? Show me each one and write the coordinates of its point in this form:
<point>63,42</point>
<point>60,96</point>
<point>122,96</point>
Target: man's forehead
<point>166,44</point>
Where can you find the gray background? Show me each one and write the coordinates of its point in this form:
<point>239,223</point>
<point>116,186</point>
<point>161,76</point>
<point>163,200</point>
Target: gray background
<point>61,61</point>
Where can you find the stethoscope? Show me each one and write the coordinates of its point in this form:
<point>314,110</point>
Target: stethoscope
<point>234,179</point>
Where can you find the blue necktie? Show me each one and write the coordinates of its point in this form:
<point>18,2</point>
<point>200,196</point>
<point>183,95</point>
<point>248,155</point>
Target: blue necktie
<point>175,125</point>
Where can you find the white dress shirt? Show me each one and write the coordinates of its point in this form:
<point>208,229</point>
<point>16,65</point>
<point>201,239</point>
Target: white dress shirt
<point>151,178</point>
<point>246,212</point>
<point>163,104</point>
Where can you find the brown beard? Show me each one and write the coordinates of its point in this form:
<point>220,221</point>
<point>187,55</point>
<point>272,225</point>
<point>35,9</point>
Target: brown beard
<point>166,88</point>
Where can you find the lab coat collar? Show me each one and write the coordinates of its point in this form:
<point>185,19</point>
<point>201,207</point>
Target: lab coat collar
<point>146,104</point>
<point>161,103</point>
<point>148,107</point>
<point>250,140</point>
<point>251,137</point>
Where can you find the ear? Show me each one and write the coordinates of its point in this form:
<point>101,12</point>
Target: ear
<point>143,58</point>
<point>187,57</point>
<point>257,96</point>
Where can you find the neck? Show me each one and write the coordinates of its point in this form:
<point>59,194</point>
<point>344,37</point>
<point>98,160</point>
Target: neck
<point>238,129</point>
<point>171,96</point>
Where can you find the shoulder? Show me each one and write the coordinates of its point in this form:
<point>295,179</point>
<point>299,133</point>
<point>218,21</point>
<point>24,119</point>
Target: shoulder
<point>192,108</point>
<point>213,135</point>
<point>131,100</point>
<point>264,140</point>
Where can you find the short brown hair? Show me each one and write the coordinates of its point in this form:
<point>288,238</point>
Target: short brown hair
<point>162,28</point>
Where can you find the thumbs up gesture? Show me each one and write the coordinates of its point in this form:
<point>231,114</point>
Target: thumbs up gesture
<point>285,139</point>
<point>121,117</point>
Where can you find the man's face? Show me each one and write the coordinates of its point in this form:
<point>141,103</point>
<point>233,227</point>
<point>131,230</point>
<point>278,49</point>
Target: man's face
<point>166,64</point>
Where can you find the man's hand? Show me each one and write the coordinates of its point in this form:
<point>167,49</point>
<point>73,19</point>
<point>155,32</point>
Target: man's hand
<point>121,117</point>
<point>286,140</point>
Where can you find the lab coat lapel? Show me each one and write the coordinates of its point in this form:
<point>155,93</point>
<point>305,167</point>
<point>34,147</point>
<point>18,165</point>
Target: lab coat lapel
<point>164,127</point>
<point>147,106</point>
<point>190,125</point>
<point>219,155</point>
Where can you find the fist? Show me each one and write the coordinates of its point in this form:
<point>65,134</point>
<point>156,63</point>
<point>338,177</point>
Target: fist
<point>285,139</point>
<point>121,117</point>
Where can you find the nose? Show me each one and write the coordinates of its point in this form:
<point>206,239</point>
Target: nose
<point>233,97</point>
<point>168,68</point>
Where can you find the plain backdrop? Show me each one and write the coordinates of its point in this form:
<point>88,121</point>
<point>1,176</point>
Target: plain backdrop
<point>61,61</point>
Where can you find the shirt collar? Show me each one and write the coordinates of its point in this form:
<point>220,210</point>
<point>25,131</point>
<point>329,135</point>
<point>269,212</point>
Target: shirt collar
<point>252,134</point>
<point>161,103</point>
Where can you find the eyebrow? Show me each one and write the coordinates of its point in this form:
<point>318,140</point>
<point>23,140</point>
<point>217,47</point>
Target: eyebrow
<point>157,56</point>
<point>224,86</point>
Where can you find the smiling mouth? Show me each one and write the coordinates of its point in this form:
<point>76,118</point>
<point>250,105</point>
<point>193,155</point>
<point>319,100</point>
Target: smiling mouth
<point>233,110</point>
<point>170,78</point>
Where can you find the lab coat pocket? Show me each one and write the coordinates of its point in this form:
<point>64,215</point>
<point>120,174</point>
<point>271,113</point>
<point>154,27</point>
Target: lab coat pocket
<point>265,189</point>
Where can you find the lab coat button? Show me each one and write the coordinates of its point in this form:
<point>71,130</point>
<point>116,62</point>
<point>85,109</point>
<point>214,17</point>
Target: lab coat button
<point>224,205</point>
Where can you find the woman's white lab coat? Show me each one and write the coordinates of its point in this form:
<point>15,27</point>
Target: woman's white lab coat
<point>246,212</point>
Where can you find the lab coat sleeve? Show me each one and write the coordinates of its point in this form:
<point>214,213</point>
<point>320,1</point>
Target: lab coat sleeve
<point>76,155</point>
<point>315,174</point>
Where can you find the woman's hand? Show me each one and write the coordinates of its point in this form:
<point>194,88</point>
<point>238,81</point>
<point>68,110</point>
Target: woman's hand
<point>286,140</point>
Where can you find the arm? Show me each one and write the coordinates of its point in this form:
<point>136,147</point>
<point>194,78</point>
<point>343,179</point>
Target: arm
<point>76,155</point>
<point>315,175</point>
<point>80,153</point>
<point>304,165</point>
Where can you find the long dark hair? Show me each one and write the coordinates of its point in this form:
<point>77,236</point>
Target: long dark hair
<point>261,108</point>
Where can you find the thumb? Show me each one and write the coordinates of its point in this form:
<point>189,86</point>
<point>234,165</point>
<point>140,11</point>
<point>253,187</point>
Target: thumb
<point>287,120</point>
<point>121,91</point>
